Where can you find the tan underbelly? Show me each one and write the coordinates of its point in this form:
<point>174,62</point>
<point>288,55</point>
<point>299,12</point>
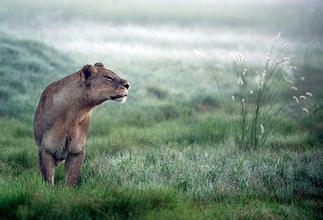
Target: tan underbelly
<point>58,162</point>
<point>60,155</point>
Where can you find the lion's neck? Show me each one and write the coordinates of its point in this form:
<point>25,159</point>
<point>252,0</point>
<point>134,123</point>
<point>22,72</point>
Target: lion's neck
<point>72,100</point>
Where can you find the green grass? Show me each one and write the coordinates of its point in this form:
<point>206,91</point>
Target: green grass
<point>173,168</point>
<point>26,67</point>
<point>199,182</point>
<point>168,152</point>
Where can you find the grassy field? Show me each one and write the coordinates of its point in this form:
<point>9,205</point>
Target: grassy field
<point>171,150</point>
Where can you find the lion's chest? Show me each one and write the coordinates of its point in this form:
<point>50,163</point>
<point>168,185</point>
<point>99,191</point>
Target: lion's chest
<point>64,139</point>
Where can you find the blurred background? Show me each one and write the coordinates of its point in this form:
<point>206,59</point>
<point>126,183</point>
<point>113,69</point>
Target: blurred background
<point>148,41</point>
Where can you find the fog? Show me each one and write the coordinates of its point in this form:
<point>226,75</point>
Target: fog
<point>164,29</point>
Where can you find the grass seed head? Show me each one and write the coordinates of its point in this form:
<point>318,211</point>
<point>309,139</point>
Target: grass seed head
<point>286,45</point>
<point>309,94</point>
<point>286,60</point>
<point>264,73</point>
<point>240,82</point>
<point>240,58</point>
<point>296,99</point>
<point>306,110</point>
<point>244,71</point>
<point>262,128</point>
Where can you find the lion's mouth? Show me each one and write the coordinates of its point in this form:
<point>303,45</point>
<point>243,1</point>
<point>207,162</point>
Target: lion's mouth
<point>122,98</point>
<point>115,97</point>
<point>120,95</point>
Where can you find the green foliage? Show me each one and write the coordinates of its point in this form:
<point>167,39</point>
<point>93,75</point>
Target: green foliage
<point>214,173</point>
<point>200,182</point>
<point>157,92</point>
<point>26,67</point>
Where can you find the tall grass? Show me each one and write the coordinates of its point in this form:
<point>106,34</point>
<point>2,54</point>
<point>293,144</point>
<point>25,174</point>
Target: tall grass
<point>261,112</point>
<point>264,106</point>
<point>264,97</point>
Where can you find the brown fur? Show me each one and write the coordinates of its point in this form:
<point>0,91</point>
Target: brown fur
<point>63,114</point>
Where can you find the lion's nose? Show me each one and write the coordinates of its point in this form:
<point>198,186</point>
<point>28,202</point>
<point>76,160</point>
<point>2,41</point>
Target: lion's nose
<point>126,85</point>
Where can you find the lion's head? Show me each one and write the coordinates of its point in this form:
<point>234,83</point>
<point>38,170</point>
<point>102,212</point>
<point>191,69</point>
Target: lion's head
<point>102,84</point>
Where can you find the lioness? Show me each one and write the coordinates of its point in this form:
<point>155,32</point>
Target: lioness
<point>63,114</point>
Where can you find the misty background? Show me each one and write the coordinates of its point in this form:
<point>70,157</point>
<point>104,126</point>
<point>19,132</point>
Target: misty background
<point>152,40</point>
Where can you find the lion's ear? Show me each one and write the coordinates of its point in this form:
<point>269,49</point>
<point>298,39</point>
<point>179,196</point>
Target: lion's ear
<point>98,64</point>
<point>88,71</point>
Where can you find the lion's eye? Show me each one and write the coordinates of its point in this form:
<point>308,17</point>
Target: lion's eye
<point>108,77</point>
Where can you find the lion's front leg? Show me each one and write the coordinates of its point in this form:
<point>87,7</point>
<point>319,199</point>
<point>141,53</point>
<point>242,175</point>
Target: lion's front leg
<point>46,165</point>
<point>72,169</point>
<point>76,148</point>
